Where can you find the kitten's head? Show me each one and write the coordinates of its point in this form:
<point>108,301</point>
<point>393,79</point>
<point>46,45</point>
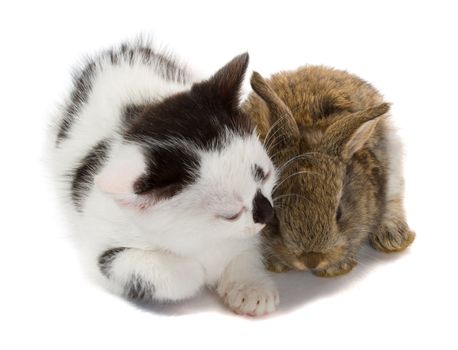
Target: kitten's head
<point>194,163</point>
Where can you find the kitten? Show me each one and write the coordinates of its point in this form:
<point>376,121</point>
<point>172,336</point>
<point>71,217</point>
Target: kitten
<point>165,180</point>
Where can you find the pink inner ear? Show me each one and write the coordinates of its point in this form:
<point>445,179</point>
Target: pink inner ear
<point>361,136</point>
<point>116,182</point>
<point>119,175</point>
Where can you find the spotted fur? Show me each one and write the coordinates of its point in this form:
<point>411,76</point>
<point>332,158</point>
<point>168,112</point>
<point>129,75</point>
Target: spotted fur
<point>155,167</point>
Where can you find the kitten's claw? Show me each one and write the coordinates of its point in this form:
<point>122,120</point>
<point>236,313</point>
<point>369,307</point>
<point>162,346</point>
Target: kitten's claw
<point>252,300</point>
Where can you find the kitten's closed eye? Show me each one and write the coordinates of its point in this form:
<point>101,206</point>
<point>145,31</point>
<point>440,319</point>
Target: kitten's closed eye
<point>233,217</point>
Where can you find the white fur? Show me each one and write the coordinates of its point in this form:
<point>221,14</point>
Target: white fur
<point>125,165</point>
<point>395,180</point>
<point>114,87</point>
<point>179,244</point>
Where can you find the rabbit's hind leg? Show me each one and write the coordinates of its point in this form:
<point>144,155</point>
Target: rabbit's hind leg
<point>393,235</point>
<point>273,264</point>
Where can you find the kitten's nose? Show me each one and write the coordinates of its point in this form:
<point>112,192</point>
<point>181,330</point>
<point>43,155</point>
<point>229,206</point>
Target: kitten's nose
<point>262,209</point>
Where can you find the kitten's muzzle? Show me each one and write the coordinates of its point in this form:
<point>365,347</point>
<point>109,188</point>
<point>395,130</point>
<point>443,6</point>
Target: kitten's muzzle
<point>263,211</point>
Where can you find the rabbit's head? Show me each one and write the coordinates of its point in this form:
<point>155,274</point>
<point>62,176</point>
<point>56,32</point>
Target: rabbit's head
<point>314,221</point>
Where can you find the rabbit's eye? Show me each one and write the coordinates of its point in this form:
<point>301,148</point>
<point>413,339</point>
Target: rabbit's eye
<point>338,213</point>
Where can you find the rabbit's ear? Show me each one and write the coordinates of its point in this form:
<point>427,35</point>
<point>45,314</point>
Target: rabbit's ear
<point>279,111</point>
<point>349,133</point>
<point>359,138</point>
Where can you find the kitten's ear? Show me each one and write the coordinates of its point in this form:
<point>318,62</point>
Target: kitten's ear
<point>119,177</point>
<point>226,83</point>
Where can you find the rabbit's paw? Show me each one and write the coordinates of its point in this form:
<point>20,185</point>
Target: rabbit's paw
<point>275,265</point>
<point>251,299</point>
<point>340,268</point>
<point>392,237</point>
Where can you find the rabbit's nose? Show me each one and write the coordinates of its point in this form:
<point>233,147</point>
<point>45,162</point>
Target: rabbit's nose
<point>312,260</point>
<point>298,264</point>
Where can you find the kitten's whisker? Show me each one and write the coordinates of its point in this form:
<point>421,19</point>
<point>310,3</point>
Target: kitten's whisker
<point>280,138</point>
<point>305,155</point>
<point>274,155</point>
<point>276,124</point>
<point>289,176</point>
<point>282,118</point>
<point>285,115</point>
<point>285,195</point>
<point>271,128</point>
<point>289,195</point>
<point>273,136</point>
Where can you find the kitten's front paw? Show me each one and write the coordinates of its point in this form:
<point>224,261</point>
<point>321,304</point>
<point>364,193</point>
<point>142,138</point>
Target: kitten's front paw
<point>251,299</point>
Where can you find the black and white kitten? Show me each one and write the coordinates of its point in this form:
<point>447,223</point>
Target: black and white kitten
<point>165,180</point>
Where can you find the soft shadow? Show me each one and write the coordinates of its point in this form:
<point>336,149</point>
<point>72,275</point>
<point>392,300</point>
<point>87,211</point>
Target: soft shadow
<point>299,288</point>
<point>296,288</point>
<point>205,301</point>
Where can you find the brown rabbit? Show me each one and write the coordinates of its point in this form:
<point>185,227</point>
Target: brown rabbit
<point>339,160</point>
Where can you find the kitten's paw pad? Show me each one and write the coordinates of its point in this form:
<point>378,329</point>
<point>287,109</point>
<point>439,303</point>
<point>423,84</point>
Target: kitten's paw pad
<point>340,268</point>
<point>252,300</point>
<point>391,238</point>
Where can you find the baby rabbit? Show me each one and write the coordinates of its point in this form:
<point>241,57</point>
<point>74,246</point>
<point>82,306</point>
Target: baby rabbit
<point>339,159</point>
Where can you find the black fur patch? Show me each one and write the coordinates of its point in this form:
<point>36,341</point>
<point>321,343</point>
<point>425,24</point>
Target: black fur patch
<point>106,260</point>
<point>138,289</point>
<point>258,173</point>
<point>198,119</point>
<point>82,85</point>
<point>131,113</point>
<point>83,80</point>
<point>189,116</point>
<point>169,171</point>
<point>83,176</point>
<point>167,67</point>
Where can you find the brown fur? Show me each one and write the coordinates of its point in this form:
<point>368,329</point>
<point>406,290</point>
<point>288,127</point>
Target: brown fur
<point>326,130</point>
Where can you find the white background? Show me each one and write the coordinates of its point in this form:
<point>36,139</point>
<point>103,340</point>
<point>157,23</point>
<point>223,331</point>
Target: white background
<point>407,50</point>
